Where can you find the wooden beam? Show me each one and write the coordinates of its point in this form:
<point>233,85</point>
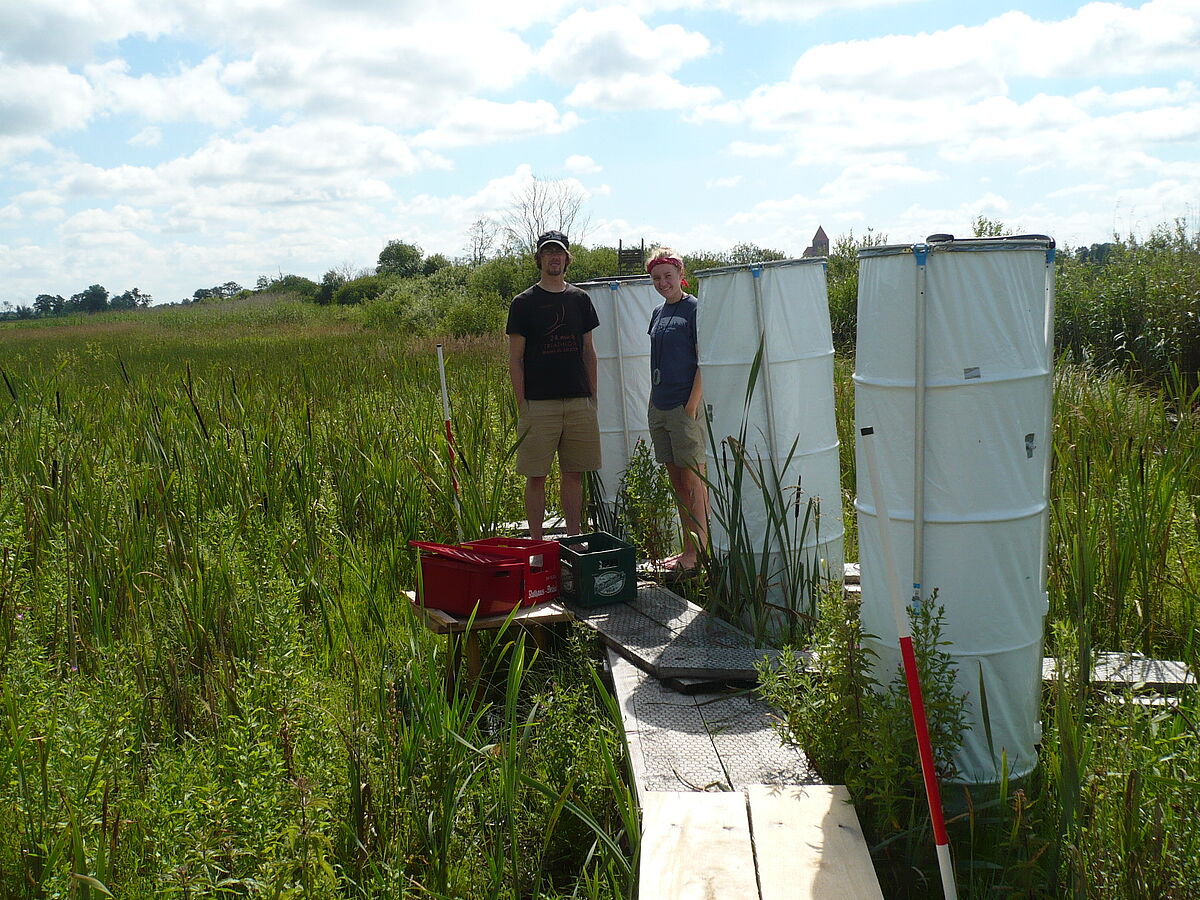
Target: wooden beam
<point>808,844</point>
<point>696,846</point>
<point>441,622</point>
<point>1128,670</point>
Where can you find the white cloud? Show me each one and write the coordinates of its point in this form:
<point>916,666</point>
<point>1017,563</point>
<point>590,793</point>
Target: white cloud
<point>1100,40</point>
<point>472,122</point>
<point>751,150</point>
<point>653,91</point>
<point>298,22</point>
<point>37,101</point>
<point>100,225</point>
<point>37,206</point>
<point>579,164</point>
<point>495,197</point>
<point>853,187</point>
<point>1076,190</point>
<point>599,44</point>
<point>759,11</point>
<point>193,94</point>
<point>150,136</point>
<point>951,92</point>
<point>863,180</point>
<point>67,32</point>
<point>442,221</point>
<point>1095,116</point>
<point>242,176</point>
<point>1136,98</point>
<point>402,76</point>
<point>617,61</point>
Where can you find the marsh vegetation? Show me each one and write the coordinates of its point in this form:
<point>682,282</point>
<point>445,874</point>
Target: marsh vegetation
<point>212,683</point>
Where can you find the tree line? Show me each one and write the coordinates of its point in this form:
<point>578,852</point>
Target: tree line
<point>94,298</point>
<point>1128,302</point>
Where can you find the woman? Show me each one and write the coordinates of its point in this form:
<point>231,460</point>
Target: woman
<point>676,424</point>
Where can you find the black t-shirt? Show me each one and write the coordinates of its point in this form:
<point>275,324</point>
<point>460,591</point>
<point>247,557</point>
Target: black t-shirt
<point>553,325</point>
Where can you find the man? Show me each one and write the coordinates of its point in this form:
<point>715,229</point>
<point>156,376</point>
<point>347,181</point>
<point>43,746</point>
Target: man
<point>552,365</point>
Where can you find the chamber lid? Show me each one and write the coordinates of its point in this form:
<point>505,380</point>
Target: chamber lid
<point>613,279</point>
<point>941,243</point>
<point>770,264</point>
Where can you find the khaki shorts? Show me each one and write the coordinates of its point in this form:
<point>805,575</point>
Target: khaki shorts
<point>567,427</point>
<point>677,437</point>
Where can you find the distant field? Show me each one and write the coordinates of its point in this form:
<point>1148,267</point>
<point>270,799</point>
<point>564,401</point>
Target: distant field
<point>212,683</point>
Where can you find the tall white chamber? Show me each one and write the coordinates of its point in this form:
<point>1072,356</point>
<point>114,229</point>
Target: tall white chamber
<point>788,421</point>
<point>624,306</point>
<point>954,371</point>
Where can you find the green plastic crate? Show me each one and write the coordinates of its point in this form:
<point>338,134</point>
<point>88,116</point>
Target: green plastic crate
<point>597,568</point>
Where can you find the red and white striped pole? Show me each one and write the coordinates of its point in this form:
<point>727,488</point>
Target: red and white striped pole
<point>450,442</point>
<point>911,676</point>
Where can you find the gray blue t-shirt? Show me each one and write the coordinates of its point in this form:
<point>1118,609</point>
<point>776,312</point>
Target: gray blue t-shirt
<point>673,359</point>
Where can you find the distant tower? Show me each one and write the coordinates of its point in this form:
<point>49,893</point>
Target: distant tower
<point>820,244</point>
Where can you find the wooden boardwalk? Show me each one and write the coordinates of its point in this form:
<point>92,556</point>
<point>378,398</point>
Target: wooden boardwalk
<point>728,809</point>
<point>773,843</point>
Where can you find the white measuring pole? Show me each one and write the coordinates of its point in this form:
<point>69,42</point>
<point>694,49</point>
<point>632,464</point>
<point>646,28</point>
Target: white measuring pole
<point>911,675</point>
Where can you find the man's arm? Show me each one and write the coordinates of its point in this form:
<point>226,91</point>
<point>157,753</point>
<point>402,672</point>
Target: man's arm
<point>589,361</point>
<point>516,366</point>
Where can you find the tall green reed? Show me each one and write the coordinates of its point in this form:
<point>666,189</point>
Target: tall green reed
<point>769,582</point>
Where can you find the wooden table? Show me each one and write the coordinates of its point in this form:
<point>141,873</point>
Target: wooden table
<point>463,633</point>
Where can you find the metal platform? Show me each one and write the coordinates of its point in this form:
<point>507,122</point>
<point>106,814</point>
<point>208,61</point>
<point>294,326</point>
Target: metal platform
<point>672,639</point>
<point>706,742</point>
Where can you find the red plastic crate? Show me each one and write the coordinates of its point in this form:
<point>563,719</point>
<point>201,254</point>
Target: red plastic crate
<point>540,558</point>
<point>461,580</point>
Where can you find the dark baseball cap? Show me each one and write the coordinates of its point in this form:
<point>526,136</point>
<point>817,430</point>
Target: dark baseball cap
<point>553,237</point>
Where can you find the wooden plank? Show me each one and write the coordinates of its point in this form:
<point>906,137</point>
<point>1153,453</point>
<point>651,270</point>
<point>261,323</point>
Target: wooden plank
<point>441,622</point>
<point>556,525</point>
<point>808,844</point>
<point>1129,670</point>
<point>704,685</point>
<point>696,846</point>
<point>713,664</point>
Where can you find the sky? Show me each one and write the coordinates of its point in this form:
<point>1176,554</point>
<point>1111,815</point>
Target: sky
<point>171,145</point>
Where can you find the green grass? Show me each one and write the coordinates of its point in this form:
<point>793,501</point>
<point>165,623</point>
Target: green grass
<point>212,685</point>
<point>212,682</point>
<point>1108,811</point>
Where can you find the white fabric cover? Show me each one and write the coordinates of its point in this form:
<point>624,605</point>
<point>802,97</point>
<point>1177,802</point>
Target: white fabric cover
<point>624,307</point>
<point>988,371</point>
<point>792,403</point>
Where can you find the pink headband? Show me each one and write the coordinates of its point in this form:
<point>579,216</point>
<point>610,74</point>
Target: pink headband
<point>669,260</point>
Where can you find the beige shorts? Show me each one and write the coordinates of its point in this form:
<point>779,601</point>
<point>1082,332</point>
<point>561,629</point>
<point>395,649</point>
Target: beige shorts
<point>677,437</point>
<point>568,427</point>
